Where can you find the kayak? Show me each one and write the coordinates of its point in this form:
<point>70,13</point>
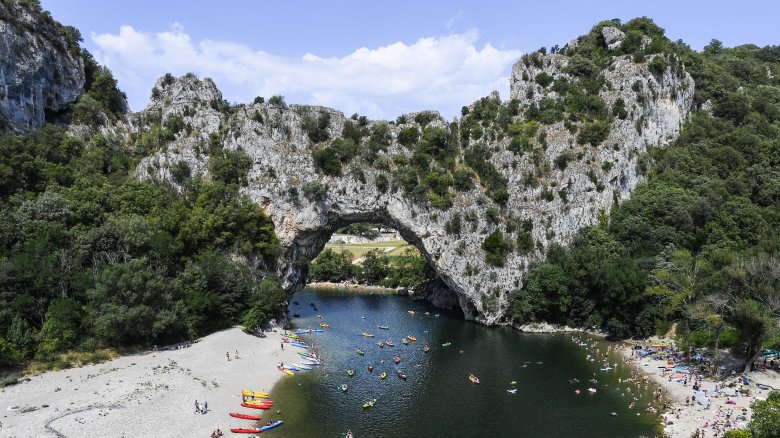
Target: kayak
<point>260,402</point>
<point>383,327</point>
<point>299,345</point>
<point>311,361</point>
<point>411,312</point>
<point>511,391</point>
<point>361,352</point>
<point>245,416</point>
<point>288,372</point>
<point>306,354</point>
<point>291,368</point>
<point>290,335</point>
<point>383,376</point>
<point>369,404</point>
<point>325,325</point>
<point>303,367</point>
<point>255,394</point>
<point>266,407</point>
<point>368,335</point>
<point>446,344</point>
<point>474,379</point>
<point>272,425</point>
<point>246,430</point>
<point>411,338</point>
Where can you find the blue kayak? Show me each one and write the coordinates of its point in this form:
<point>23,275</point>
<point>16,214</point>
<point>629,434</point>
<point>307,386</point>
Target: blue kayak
<point>271,426</point>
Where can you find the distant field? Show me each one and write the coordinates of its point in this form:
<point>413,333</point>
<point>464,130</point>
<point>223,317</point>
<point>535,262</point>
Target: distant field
<point>358,250</point>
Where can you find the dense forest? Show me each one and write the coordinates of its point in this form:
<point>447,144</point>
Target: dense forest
<point>698,244</point>
<point>91,257</point>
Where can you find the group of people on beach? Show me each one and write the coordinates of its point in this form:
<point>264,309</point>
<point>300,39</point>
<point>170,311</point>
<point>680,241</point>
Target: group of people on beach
<point>201,408</point>
<point>216,434</point>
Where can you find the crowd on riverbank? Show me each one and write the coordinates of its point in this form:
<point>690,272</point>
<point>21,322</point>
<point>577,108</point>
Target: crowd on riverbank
<point>698,404</point>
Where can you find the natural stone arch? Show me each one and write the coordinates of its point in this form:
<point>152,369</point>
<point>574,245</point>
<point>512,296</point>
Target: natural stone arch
<point>306,206</point>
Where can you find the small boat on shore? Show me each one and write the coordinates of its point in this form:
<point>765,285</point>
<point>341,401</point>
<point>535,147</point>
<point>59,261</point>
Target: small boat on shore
<point>368,335</point>
<point>383,376</point>
<point>426,348</point>
<point>272,425</point>
<point>369,404</point>
<point>245,416</point>
<point>401,374</point>
<point>383,327</point>
<point>474,379</point>
<point>303,367</point>
<point>344,388</point>
<point>350,373</point>
<point>288,372</point>
<point>290,335</point>
<point>246,430</point>
<point>254,394</point>
<point>361,352</point>
<point>247,405</point>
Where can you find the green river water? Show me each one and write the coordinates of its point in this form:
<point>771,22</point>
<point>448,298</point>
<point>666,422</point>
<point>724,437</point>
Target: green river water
<point>437,399</point>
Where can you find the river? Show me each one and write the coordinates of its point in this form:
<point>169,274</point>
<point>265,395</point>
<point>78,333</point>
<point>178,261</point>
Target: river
<point>437,399</point>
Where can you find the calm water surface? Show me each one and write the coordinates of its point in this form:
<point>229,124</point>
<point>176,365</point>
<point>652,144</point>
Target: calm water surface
<point>438,400</point>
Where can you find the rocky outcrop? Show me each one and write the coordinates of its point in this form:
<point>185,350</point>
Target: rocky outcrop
<point>553,197</point>
<point>41,69</point>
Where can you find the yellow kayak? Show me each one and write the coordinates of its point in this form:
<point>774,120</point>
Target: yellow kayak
<point>411,312</point>
<point>325,325</point>
<point>288,372</point>
<point>411,338</point>
<point>383,376</point>
<point>254,394</point>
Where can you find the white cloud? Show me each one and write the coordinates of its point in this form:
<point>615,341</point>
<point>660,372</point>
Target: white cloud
<point>440,73</point>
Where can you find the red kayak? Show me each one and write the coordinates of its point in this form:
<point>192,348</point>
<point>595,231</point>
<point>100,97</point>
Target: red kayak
<point>245,416</point>
<point>246,430</point>
<point>256,406</point>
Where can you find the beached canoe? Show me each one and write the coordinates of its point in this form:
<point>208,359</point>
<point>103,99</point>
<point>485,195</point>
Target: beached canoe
<point>272,425</point>
<point>254,394</point>
<point>246,430</point>
<point>299,345</point>
<point>260,402</point>
<point>247,405</point>
<point>303,367</point>
<point>288,372</point>
<point>290,335</point>
<point>309,361</point>
<point>245,416</point>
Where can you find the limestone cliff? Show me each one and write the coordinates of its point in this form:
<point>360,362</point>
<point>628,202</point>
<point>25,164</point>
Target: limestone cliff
<point>556,182</point>
<point>41,68</point>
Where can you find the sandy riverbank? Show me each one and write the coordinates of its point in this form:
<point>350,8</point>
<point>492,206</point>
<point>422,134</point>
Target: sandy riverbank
<point>683,420</point>
<point>149,394</point>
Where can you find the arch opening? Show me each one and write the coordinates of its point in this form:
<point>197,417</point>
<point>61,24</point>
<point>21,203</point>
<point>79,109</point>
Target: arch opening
<point>377,228</point>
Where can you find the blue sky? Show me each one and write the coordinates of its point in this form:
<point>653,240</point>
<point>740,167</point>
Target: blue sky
<point>381,59</point>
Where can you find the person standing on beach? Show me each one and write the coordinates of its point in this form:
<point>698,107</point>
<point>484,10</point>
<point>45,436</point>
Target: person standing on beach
<point>197,407</point>
<point>282,344</point>
<point>205,406</point>
<point>227,354</point>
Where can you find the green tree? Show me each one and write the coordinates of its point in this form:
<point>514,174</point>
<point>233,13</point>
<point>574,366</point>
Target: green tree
<point>766,417</point>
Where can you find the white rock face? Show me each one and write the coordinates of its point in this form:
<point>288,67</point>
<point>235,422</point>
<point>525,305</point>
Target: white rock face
<point>39,71</point>
<point>613,37</point>
<point>283,175</point>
